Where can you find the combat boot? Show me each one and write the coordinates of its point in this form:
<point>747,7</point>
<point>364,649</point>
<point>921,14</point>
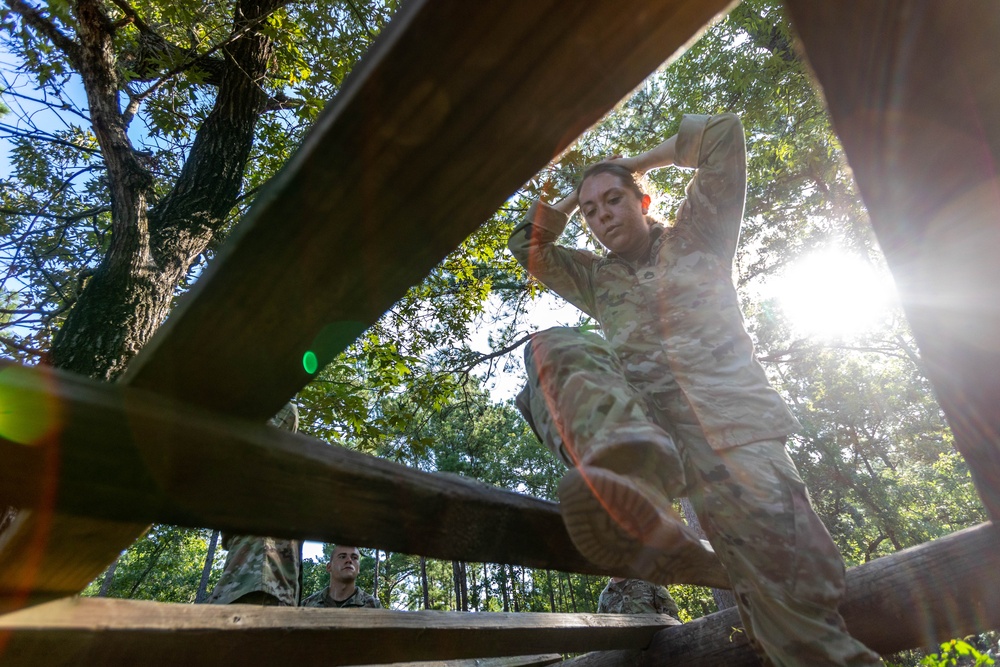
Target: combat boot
<point>617,504</point>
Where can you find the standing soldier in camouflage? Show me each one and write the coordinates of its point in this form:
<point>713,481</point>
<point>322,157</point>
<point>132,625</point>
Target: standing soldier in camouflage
<point>671,400</point>
<point>262,570</point>
<point>635,596</point>
<point>342,591</point>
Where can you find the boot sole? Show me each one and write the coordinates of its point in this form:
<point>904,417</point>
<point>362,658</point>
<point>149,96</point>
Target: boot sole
<point>616,524</point>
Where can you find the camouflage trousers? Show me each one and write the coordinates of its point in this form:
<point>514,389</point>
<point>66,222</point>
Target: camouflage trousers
<point>786,571</point>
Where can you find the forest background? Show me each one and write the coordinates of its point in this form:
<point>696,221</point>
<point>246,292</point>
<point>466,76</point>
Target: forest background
<point>135,135</point>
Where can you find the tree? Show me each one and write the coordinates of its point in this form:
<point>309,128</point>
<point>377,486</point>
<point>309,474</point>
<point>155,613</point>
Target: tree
<point>108,221</point>
<point>165,564</point>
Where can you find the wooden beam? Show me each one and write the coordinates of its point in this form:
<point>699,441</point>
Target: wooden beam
<point>455,106</point>
<point>541,660</point>
<point>914,93</point>
<point>914,598</point>
<point>89,631</point>
<point>127,457</point>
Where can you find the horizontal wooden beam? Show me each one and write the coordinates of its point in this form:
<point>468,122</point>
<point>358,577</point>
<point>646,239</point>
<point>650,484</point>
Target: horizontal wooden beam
<point>90,631</point>
<point>111,453</point>
<point>455,106</point>
<point>914,93</point>
<point>914,598</point>
<point>541,660</point>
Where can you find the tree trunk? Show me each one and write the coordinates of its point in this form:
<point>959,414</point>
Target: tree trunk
<point>552,594</point>
<point>206,572</point>
<point>109,576</point>
<point>423,582</point>
<point>458,586</point>
<point>572,595</point>
<point>132,290</point>
<point>375,580</point>
<point>488,595</point>
<point>503,588</point>
<point>513,589</point>
<point>723,599</point>
<point>590,593</point>
<point>562,592</point>
<point>463,580</point>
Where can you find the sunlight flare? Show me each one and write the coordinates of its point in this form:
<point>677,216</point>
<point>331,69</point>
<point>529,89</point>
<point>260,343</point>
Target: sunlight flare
<point>833,294</point>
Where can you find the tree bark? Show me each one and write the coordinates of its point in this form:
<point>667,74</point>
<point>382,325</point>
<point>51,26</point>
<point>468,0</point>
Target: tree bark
<point>723,599</point>
<point>423,582</point>
<point>463,577</point>
<point>151,249</point>
<point>109,576</point>
<point>552,594</point>
<point>207,570</point>
<point>375,581</point>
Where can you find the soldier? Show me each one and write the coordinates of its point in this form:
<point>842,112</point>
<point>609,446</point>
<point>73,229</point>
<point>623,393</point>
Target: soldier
<point>262,570</point>
<point>342,591</point>
<point>671,400</point>
<point>635,596</point>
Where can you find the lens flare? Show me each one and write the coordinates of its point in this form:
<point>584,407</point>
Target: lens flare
<point>28,412</point>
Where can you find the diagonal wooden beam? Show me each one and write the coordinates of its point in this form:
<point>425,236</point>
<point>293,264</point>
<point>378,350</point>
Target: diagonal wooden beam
<point>115,456</point>
<point>455,106</point>
<point>914,93</point>
<point>88,631</point>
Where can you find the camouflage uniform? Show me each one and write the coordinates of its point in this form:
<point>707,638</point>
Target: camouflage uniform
<point>357,599</point>
<point>262,570</point>
<point>635,596</point>
<point>675,354</point>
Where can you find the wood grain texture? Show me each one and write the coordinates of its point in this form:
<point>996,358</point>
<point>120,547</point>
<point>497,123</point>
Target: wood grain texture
<point>917,597</point>
<point>92,631</point>
<point>914,93</point>
<point>514,661</point>
<point>129,456</point>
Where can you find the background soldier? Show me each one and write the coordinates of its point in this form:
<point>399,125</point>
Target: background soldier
<point>342,591</point>
<point>635,596</point>
<point>262,570</point>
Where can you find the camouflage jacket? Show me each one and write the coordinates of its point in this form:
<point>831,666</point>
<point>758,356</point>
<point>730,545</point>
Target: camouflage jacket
<point>674,318</point>
<point>357,599</point>
<point>262,564</point>
<point>635,596</point>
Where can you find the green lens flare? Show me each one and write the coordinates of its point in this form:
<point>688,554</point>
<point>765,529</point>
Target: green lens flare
<point>27,411</point>
<point>309,362</point>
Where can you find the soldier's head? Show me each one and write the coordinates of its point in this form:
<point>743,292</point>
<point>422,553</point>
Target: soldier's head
<point>615,207</point>
<point>344,563</point>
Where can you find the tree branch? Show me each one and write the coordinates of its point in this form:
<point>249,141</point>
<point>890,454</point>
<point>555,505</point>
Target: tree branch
<point>34,18</point>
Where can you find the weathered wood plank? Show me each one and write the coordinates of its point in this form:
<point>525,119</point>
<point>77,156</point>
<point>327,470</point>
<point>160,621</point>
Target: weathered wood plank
<point>127,456</point>
<point>914,93</point>
<point>455,106</point>
<point>913,598</point>
<point>88,631</point>
<point>917,597</point>
<point>515,661</point>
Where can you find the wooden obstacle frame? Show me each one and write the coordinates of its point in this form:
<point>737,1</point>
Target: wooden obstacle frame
<point>443,136</point>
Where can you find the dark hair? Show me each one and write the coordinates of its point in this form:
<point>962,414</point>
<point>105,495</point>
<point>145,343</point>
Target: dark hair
<point>624,175</point>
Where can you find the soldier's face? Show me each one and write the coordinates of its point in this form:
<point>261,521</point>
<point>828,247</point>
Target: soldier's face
<point>616,215</point>
<point>344,563</point>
